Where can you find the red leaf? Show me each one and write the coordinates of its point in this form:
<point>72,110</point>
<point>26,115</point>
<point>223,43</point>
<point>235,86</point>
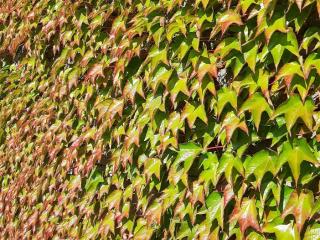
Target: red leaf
<point>94,72</point>
<point>228,194</point>
<point>246,215</point>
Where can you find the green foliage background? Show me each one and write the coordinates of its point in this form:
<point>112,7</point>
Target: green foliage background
<point>159,119</point>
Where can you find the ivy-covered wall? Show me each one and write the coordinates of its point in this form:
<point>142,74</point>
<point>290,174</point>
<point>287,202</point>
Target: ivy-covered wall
<point>159,119</point>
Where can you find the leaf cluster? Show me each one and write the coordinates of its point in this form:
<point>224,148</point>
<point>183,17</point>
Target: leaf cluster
<point>159,119</point>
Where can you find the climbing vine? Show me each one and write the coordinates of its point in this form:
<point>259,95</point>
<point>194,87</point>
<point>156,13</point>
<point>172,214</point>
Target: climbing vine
<point>159,119</point>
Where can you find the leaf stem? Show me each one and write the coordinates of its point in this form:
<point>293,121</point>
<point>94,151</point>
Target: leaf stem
<point>215,147</point>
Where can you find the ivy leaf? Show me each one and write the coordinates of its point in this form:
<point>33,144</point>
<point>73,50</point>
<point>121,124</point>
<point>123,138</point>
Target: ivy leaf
<point>300,206</point>
<point>245,5</point>
<point>154,212</point>
<point>294,109</point>
<point>179,86</point>
<point>312,61</point>
<point>311,34</point>
<point>231,122</point>
<point>205,68</point>
<point>113,199</point>
<point>294,154</point>
<point>316,208</point>
<point>255,236</point>
<point>246,214</point>
<point>278,23</point>
<point>225,96</point>
<point>312,232</point>
<point>94,72</point>
<point>227,163</point>
<point>227,45</point>
<point>256,104</point>
<point>279,42</point>
<point>197,193</point>
<point>214,203</point>
<point>236,62</point>
<point>292,42</point>
<point>184,230</point>
<point>282,231</point>
<point>227,18</point>
<point>94,180</point>
<point>156,56</point>
<point>210,165</point>
<point>107,224</point>
<point>276,49</point>
<point>162,75</point>
<point>73,77</point>
<point>158,35</point>
<point>192,113</point>
<point>144,233</point>
<point>261,163</point>
<point>251,56</point>
<point>205,3</point>
<point>288,71</point>
<point>152,166</point>
<point>186,155</point>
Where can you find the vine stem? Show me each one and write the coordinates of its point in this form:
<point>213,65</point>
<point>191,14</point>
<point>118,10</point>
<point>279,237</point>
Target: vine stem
<point>214,147</point>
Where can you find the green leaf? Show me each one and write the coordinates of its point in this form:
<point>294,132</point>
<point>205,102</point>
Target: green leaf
<point>227,163</point>
<point>250,56</point>
<point>261,163</point>
<point>214,203</point>
<point>143,233</point>
<point>113,199</point>
<point>288,232</point>
<point>152,166</point>
<point>278,23</point>
<point>162,75</point>
<point>94,180</point>
<point>255,236</point>
<point>311,62</point>
<point>107,224</point>
<point>184,230</point>
<point>279,42</point>
<point>206,68</point>
<point>192,113</point>
<point>245,4</point>
<point>231,122</point>
<point>294,109</point>
<point>156,56</point>
<point>205,3</point>
<point>312,232</point>
<point>300,206</point>
<point>312,33</point>
<point>210,165</point>
<point>186,155</point>
<point>154,212</point>
<point>226,95</point>
<point>294,154</point>
<point>256,104</point>
<point>316,208</point>
<point>226,46</point>
<point>288,71</point>
<point>292,43</point>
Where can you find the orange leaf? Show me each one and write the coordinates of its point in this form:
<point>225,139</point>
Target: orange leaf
<point>228,18</point>
<point>94,72</point>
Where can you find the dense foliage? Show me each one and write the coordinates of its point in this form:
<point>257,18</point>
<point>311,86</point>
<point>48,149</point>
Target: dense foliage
<point>173,119</point>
